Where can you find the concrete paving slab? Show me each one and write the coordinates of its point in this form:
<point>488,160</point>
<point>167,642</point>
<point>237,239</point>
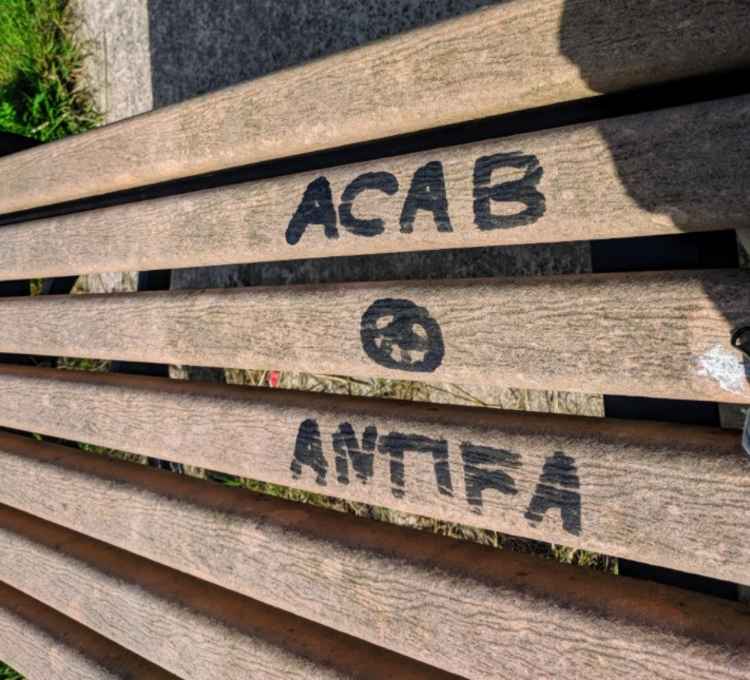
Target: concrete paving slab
<point>119,65</point>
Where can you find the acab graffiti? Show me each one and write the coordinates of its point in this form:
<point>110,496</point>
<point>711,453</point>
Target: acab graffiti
<point>427,192</point>
<point>485,468</point>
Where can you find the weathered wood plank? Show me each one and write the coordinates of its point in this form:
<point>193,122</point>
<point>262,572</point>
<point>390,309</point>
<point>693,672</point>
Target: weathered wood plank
<point>185,625</point>
<point>664,494</point>
<point>518,55</point>
<point>592,181</point>
<point>662,334</point>
<point>41,643</point>
<point>483,612</point>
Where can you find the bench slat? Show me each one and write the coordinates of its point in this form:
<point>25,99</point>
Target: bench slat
<point>662,334</point>
<point>185,625</point>
<point>377,581</point>
<point>42,643</point>
<point>592,181</point>
<point>670,495</point>
<point>519,55</point>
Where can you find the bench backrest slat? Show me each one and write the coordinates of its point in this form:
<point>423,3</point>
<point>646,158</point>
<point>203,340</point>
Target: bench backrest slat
<point>142,606</point>
<point>572,183</point>
<point>457,606</point>
<point>502,59</point>
<point>43,643</point>
<point>577,333</point>
<point>563,127</point>
<point>489,469</point>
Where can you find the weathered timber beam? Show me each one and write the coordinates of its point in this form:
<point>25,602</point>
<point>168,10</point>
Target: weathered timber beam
<point>42,643</point>
<point>657,334</point>
<point>593,181</point>
<point>480,612</point>
<point>666,494</point>
<point>518,55</point>
<point>185,625</point>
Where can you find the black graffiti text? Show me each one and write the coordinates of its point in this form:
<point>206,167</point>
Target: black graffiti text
<point>558,488</point>
<point>395,445</point>
<point>486,469</point>
<point>497,204</point>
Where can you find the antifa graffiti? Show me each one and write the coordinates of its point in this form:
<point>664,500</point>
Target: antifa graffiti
<point>485,469</point>
<point>347,448</point>
<point>399,334</point>
<point>558,488</point>
<point>496,206</point>
<point>309,451</point>
<point>395,445</point>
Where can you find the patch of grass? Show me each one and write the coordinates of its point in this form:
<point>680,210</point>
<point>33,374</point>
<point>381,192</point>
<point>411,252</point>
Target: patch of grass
<point>112,453</point>
<point>41,62</point>
<point>94,365</point>
<point>7,673</point>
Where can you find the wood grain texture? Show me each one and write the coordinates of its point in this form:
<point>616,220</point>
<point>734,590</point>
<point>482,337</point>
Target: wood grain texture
<point>41,643</point>
<point>482,612</point>
<point>663,334</point>
<point>518,55</point>
<point>187,626</point>
<point>663,494</point>
<point>666,172</point>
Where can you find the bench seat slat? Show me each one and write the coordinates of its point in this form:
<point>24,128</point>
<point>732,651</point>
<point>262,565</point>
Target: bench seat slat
<point>379,582</point>
<point>600,180</point>
<point>183,624</point>
<point>670,495</point>
<point>662,334</point>
<point>522,54</point>
<point>42,643</point>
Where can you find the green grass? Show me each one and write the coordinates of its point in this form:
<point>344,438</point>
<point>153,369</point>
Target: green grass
<point>7,673</point>
<point>41,59</point>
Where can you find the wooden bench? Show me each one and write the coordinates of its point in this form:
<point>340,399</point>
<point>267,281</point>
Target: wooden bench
<point>528,122</point>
